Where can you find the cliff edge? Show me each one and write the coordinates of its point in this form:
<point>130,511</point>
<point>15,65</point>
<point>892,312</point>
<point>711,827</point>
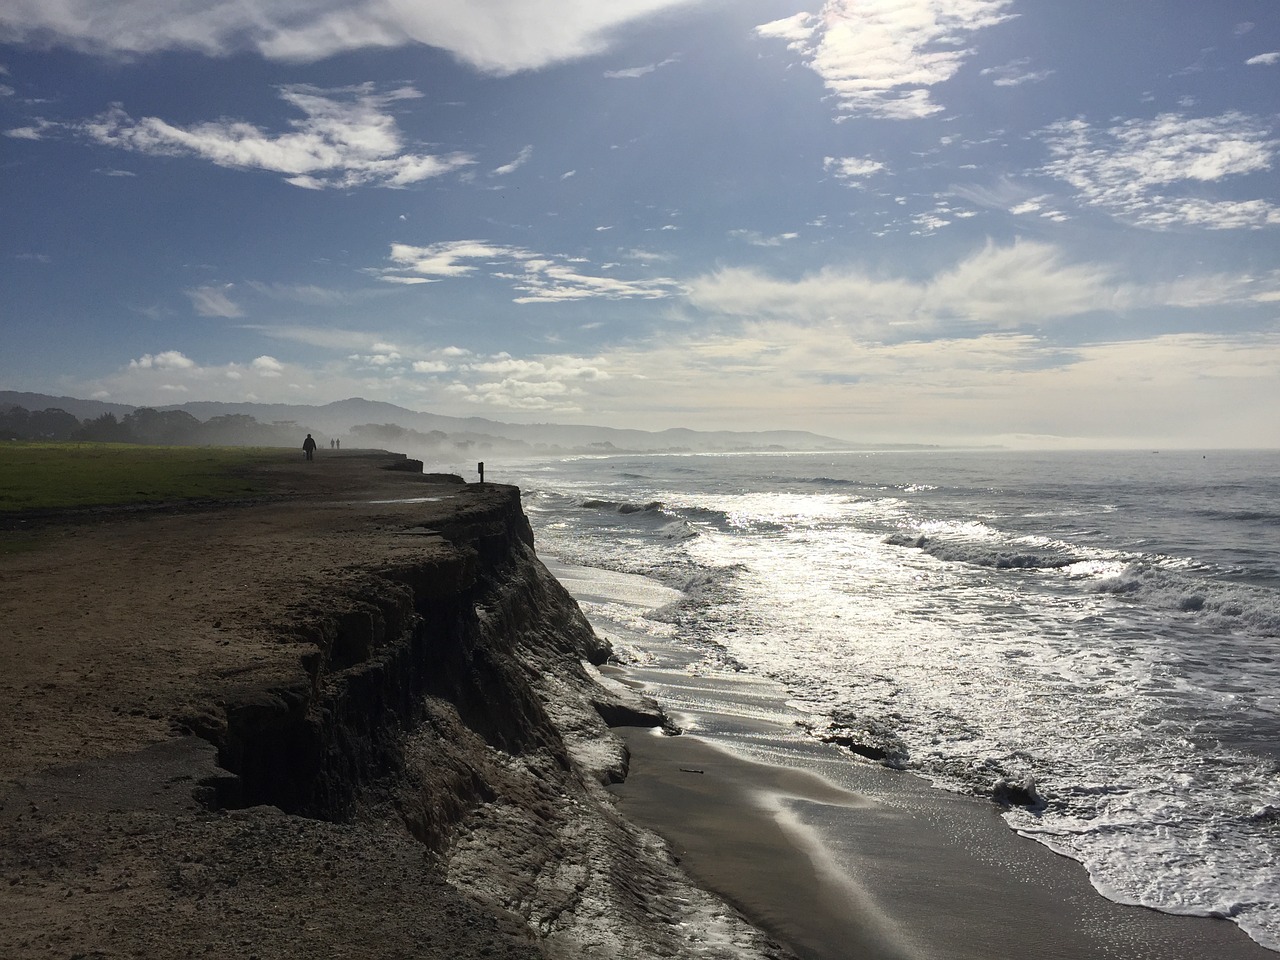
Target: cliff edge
<point>356,719</point>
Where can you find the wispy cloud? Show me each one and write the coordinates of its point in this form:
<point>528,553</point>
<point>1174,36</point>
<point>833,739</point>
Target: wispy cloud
<point>214,302</point>
<point>521,159</point>
<point>1021,285</point>
<point>758,239</point>
<point>33,131</point>
<point>311,294</point>
<point>328,338</point>
<point>497,36</point>
<point>881,59</point>
<point>536,278</point>
<point>997,287</point>
<point>631,73</point>
<point>1133,169</point>
<point>1264,59</point>
<point>1041,207</point>
<point>1015,73</point>
<point>347,138</point>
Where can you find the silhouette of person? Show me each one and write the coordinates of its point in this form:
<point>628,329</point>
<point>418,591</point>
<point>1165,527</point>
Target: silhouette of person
<point>309,447</point>
<point>330,444</point>
<point>338,444</point>
<point>480,468</point>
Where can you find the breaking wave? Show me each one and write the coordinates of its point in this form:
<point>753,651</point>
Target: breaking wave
<point>1226,604</point>
<point>983,555</point>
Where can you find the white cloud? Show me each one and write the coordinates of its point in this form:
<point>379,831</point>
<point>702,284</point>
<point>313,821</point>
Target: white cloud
<point>1264,59</point>
<point>1020,286</point>
<point>386,359</point>
<point>167,360</point>
<point>311,294</point>
<point>1175,390</point>
<point>267,366</point>
<point>151,377</point>
<point>214,302</point>
<point>1131,169</point>
<point>347,138</point>
<point>495,36</point>
<point>852,170</point>
<point>448,259</point>
<point>881,58</point>
<point>1203,389</point>
<point>631,73</point>
<point>552,384</point>
<point>27,133</point>
<point>325,337</point>
<point>1032,205</point>
<point>997,287</point>
<point>1015,73</point>
<point>535,277</point>
<point>515,164</point>
<point>757,239</point>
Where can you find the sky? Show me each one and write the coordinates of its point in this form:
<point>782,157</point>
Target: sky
<point>1020,222</point>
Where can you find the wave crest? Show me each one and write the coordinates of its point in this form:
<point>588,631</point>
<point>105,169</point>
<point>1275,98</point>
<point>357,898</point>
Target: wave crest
<point>982,555</point>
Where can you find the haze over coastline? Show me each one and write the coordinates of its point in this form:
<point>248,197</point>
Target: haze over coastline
<point>1009,222</point>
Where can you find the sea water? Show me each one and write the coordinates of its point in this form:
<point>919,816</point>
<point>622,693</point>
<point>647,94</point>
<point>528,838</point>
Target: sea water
<point>1092,639</point>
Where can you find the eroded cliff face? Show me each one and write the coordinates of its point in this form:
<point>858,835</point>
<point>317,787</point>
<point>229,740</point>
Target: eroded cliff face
<point>464,630</point>
<point>411,753</point>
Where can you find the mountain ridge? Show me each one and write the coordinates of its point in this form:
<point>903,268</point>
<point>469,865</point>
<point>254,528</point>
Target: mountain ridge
<point>339,417</point>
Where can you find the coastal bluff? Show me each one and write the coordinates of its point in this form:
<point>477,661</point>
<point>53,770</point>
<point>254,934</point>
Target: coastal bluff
<point>353,717</point>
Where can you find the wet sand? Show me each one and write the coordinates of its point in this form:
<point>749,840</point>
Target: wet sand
<point>914,874</point>
<point>842,858</point>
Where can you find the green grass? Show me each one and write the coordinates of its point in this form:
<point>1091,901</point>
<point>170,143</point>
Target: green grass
<point>53,476</point>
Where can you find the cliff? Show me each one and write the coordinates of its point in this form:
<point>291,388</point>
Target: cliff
<point>364,722</point>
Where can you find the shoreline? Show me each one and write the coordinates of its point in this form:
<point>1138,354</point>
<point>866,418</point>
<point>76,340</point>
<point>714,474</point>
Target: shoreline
<point>921,874</point>
<point>835,856</point>
<point>359,719</point>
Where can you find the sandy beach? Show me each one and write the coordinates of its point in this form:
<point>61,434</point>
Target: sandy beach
<point>837,857</point>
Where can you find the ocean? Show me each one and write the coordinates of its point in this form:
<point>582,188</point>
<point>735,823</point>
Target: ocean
<point>1090,639</point>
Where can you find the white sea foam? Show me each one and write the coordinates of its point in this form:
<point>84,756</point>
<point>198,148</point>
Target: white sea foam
<point>1091,638</point>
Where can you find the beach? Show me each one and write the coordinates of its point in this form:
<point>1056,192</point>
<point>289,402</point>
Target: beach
<point>415,711</point>
<point>855,860</point>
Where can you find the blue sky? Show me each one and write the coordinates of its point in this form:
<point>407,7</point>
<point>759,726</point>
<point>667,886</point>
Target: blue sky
<point>997,221</point>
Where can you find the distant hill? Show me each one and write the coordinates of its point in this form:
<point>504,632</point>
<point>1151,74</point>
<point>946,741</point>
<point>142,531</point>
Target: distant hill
<point>338,419</point>
<point>81,409</point>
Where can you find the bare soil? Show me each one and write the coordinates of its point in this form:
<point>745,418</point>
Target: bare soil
<point>117,622</point>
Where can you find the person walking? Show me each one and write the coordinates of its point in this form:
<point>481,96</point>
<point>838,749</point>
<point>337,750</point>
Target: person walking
<point>309,447</point>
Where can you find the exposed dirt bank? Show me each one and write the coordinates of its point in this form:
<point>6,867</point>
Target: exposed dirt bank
<point>355,719</point>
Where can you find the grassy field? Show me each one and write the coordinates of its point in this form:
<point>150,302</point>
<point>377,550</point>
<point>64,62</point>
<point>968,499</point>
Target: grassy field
<point>51,476</point>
